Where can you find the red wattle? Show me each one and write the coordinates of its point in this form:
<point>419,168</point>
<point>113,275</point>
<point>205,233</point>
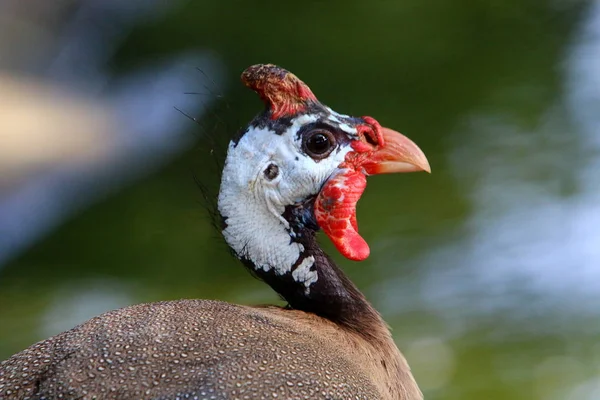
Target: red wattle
<point>335,211</point>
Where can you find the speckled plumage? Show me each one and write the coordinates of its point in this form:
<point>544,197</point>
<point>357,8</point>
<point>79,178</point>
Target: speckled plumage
<point>329,343</point>
<point>196,349</point>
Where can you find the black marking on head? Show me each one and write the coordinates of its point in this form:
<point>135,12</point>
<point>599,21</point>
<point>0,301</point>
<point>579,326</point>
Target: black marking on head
<point>317,108</point>
<point>223,222</point>
<point>240,133</point>
<point>262,121</point>
<point>282,124</point>
<point>278,125</point>
<point>301,218</point>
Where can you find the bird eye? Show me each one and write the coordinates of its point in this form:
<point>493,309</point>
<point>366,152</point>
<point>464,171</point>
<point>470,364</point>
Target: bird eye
<point>319,143</point>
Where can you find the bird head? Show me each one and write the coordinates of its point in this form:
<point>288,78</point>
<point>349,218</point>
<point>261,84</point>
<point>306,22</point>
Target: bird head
<point>301,155</point>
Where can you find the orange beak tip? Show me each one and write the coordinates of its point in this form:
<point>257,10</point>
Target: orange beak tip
<point>397,154</point>
<point>391,167</point>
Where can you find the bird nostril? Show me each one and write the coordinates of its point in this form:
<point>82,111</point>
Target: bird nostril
<point>371,138</point>
<point>368,137</point>
<point>370,132</point>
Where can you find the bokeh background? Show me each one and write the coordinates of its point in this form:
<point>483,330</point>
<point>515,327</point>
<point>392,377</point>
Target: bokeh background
<point>488,270</point>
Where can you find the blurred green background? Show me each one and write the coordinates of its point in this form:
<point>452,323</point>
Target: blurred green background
<point>486,269</point>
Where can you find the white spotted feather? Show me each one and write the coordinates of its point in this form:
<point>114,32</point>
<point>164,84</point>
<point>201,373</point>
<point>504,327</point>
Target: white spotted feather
<point>253,205</point>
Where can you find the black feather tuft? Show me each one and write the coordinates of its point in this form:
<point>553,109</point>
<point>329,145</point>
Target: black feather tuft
<point>217,127</point>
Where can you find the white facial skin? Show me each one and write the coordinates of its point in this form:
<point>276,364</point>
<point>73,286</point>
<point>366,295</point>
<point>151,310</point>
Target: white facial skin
<point>253,204</point>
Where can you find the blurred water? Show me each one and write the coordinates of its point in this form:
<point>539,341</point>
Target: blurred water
<point>487,270</point>
<point>131,117</point>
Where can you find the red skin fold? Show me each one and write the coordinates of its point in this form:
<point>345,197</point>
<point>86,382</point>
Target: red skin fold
<point>335,211</point>
<point>335,207</point>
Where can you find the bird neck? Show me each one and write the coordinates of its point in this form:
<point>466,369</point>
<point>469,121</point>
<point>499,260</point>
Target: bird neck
<point>333,296</point>
<point>282,250</point>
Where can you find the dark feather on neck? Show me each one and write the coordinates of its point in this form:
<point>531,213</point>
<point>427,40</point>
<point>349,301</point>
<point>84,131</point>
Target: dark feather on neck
<point>333,295</point>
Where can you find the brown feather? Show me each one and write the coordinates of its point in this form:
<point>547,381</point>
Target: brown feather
<point>208,349</point>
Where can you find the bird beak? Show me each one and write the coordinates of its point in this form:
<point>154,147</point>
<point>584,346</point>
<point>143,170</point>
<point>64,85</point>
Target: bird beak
<point>335,206</point>
<point>397,154</point>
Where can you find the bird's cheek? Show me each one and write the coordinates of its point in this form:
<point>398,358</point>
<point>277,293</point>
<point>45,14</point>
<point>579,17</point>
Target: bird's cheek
<point>287,191</point>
